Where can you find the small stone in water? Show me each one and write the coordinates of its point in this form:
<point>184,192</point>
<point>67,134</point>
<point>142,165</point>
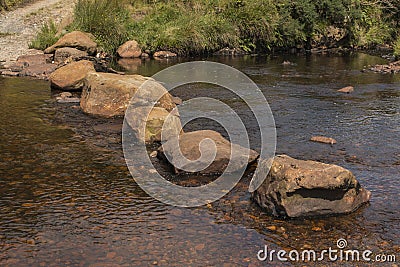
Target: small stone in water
<point>316,229</point>
<point>323,139</point>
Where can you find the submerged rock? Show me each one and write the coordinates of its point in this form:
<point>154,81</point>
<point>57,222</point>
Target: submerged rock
<point>323,139</point>
<point>393,67</point>
<point>189,144</point>
<point>76,39</point>
<point>299,188</point>
<point>71,76</point>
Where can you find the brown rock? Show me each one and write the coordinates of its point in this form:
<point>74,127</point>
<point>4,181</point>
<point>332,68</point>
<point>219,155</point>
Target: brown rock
<point>64,53</point>
<point>298,188</point>
<point>31,60</point>
<point>9,73</point>
<point>164,54</point>
<point>39,71</point>
<point>347,89</point>
<point>71,76</point>
<point>323,139</point>
<point>189,147</point>
<point>76,39</point>
<point>177,100</point>
<point>109,95</point>
<point>129,49</point>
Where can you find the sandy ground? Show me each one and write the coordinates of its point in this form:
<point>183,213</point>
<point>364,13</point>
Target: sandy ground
<point>19,27</point>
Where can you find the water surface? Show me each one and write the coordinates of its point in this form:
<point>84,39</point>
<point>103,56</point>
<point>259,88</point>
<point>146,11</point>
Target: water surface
<point>67,198</point>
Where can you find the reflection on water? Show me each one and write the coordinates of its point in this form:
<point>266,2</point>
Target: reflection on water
<point>66,197</point>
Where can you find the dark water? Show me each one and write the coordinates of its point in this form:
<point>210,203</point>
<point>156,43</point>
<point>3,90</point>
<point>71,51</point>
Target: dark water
<point>67,199</point>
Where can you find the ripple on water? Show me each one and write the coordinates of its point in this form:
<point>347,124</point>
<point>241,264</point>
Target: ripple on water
<point>66,197</point>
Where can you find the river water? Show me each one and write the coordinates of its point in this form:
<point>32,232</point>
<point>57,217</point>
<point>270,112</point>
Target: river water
<point>67,198</point>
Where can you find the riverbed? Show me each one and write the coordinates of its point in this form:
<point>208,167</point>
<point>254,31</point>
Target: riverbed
<point>68,199</point>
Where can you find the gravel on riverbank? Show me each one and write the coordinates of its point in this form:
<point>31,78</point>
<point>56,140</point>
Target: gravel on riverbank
<point>19,27</point>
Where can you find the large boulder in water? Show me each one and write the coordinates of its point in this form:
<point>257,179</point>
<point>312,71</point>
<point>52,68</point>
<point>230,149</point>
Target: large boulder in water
<point>189,147</point>
<point>71,76</point>
<point>301,188</point>
<point>76,39</point>
<point>109,95</point>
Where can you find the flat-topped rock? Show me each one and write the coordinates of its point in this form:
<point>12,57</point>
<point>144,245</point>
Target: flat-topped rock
<point>189,148</point>
<point>76,39</point>
<point>71,77</point>
<point>109,95</point>
<point>301,188</point>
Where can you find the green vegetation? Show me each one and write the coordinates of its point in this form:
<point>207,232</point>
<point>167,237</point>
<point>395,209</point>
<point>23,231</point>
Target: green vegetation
<point>9,4</point>
<point>107,20</point>
<point>202,26</point>
<point>397,48</point>
<point>46,37</point>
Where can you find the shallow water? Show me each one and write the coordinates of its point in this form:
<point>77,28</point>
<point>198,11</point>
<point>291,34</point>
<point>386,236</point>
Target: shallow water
<point>66,197</point>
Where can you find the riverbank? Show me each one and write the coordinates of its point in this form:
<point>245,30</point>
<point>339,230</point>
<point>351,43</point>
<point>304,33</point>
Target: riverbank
<point>20,26</point>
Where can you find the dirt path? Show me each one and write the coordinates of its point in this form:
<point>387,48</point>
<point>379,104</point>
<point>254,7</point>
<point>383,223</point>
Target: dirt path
<point>18,27</point>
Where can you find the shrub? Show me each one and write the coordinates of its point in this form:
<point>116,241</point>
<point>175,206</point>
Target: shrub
<point>46,37</point>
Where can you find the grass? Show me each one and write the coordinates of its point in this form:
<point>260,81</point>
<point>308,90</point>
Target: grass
<point>203,26</point>
<point>6,5</point>
<point>46,37</point>
<point>397,48</point>
<point>105,19</point>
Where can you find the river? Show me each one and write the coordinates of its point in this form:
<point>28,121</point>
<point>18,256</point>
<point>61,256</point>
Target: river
<point>67,198</point>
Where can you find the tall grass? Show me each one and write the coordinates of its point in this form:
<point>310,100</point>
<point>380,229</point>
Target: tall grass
<point>201,26</point>
<point>105,19</point>
<point>46,37</point>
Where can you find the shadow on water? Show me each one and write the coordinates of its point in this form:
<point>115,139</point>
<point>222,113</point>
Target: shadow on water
<point>67,198</point>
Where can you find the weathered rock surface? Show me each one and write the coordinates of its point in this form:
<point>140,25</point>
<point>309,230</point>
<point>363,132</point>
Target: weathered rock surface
<point>108,95</point>
<point>299,188</point>
<point>76,39</point>
<point>39,71</point>
<point>164,54</point>
<point>71,76</point>
<point>323,139</point>
<point>347,89</point>
<point>189,144</point>
<point>31,60</point>
<point>64,53</point>
<point>129,49</point>
<point>149,129</point>
<point>33,65</point>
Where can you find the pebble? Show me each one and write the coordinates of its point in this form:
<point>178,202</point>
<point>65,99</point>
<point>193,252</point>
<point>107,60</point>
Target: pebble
<point>316,229</point>
<point>323,139</point>
<point>347,89</point>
